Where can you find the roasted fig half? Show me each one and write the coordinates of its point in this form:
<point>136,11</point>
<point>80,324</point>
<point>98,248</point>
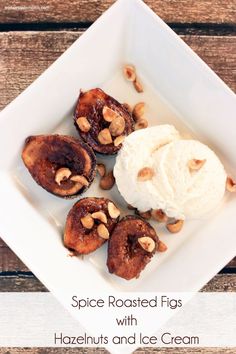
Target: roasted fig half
<point>131,246</point>
<point>89,224</point>
<point>102,121</point>
<point>61,164</point>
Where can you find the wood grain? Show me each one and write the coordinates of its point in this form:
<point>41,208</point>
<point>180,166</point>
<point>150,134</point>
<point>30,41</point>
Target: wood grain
<point>72,11</point>
<point>9,262</point>
<point>104,351</point>
<point>220,283</point>
<point>25,55</point>
<point>22,283</point>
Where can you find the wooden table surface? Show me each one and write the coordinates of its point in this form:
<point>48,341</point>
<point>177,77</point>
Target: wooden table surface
<point>34,33</point>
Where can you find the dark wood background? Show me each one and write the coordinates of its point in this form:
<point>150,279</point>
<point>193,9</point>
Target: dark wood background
<point>34,33</point>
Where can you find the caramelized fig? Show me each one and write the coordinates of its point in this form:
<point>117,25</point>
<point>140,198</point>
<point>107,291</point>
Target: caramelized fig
<point>131,246</point>
<point>89,225</point>
<point>106,118</point>
<point>62,165</point>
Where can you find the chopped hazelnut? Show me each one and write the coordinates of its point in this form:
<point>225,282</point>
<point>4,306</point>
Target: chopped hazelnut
<point>119,140</point>
<point>113,211</point>
<point>138,111</point>
<point>162,247</point>
<point>230,185</point>
<point>100,215</point>
<point>195,165</point>
<point>147,243</point>
<point>175,226</point>
<point>138,86</point>
<point>62,174</point>
<point>104,137</point>
<point>103,231</point>
<point>109,114</point>
<point>80,179</point>
<point>129,72</point>
<point>87,221</point>
<point>101,169</point>
<point>108,181</point>
<point>159,215</point>
<point>145,174</point>
<point>117,126</point>
<point>142,123</point>
<point>83,124</point>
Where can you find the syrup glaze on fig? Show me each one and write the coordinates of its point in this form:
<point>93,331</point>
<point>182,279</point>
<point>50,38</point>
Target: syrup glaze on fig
<point>90,105</point>
<point>126,258</point>
<point>79,239</point>
<point>44,155</point>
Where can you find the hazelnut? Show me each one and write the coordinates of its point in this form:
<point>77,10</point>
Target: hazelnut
<point>109,114</point>
<point>62,174</point>
<point>159,215</point>
<point>145,215</point>
<point>108,181</point>
<point>117,126</point>
<point>83,124</point>
<point>142,123</point>
<point>145,174</point>
<point>138,86</point>
<point>195,165</point>
<point>80,179</point>
<point>147,243</point>
<point>127,107</point>
<point>103,231</point>
<point>138,111</point>
<point>87,221</point>
<point>230,185</point>
<point>113,211</point>
<point>175,226</point>
<point>101,169</point>
<point>129,72</point>
<point>162,247</point>
<point>104,137</point>
<point>100,215</point>
<point>119,140</point>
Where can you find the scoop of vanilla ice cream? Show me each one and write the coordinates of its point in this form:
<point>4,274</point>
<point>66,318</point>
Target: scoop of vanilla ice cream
<point>176,189</point>
<point>136,153</point>
<point>188,193</point>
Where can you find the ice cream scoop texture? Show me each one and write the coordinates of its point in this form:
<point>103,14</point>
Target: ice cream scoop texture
<point>181,192</point>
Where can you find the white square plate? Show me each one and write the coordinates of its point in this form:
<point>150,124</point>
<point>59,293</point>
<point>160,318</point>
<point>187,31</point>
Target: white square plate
<point>179,89</point>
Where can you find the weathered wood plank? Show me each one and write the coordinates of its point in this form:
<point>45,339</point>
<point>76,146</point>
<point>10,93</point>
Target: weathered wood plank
<point>220,283</point>
<point>9,262</point>
<point>104,351</point>
<point>232,264</point>
<point>182,11</point>
<point>25,55</point>
<point>20,283</point>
